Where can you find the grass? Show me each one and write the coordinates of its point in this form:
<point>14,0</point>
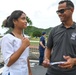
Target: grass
<point>35,39</point>
<point>34,43</point>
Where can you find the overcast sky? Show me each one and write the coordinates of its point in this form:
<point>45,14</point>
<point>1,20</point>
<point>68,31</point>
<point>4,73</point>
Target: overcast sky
<point>41,12</point>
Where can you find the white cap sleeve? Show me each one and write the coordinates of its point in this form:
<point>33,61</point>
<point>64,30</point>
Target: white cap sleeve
<point>6,48</point>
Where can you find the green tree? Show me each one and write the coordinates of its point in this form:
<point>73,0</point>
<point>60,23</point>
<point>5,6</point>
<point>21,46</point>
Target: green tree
<point>36,34</point>
<point>29,20</point>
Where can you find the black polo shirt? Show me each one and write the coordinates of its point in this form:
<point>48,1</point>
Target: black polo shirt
<point>62,41</point>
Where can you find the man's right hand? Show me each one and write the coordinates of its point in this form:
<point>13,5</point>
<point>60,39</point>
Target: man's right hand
<point>46,63</point>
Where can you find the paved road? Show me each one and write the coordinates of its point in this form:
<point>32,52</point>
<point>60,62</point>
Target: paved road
<point>38,70</point>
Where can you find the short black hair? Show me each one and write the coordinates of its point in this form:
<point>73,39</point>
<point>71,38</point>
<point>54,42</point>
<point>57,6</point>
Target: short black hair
<point>43,33</point>
<point>69,3</point>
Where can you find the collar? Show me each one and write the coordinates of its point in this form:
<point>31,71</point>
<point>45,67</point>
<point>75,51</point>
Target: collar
<point>73,26</point>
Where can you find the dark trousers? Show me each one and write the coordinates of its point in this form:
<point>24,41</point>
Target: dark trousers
<point>9,73</point>
<point>48,74</point>
<point>41,57</point>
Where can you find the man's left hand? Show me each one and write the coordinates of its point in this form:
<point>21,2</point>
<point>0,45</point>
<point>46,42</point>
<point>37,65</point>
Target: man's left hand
<point>69,62</point>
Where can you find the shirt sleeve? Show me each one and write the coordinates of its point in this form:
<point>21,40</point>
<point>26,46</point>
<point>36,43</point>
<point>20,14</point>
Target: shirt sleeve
<point>50,40</point>
<point>6,49</point>
<point>41,39</point>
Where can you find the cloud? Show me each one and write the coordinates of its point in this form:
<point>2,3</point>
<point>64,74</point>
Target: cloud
<point>41,12</point>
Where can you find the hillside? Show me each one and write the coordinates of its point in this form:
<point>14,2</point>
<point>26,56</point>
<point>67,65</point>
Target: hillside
<point>31,29</point>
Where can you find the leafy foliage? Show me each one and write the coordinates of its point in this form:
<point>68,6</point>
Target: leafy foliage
<point>31,30</point>
<point>36,33</point>
<point>28,20</point>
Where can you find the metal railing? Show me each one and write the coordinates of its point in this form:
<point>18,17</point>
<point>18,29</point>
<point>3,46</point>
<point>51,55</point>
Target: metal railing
<point>34,52</point>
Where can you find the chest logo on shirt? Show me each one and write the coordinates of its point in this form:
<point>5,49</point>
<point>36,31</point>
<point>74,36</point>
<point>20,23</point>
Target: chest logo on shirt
<point>73,35</point>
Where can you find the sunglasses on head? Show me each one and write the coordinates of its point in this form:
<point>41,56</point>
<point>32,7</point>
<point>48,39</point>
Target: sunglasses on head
<point>62,10</point>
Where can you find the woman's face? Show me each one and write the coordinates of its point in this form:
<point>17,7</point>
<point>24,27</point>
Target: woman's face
<point>21,23</point>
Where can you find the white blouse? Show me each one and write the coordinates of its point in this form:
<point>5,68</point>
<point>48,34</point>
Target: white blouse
<point>9,45</point>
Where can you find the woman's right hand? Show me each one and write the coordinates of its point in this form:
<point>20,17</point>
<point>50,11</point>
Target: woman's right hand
<point>25,42</point>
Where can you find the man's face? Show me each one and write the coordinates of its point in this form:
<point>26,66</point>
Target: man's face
<point>64,12</point>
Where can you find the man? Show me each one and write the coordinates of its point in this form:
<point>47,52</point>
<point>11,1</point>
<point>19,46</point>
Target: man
<point>42,47</point>
<point>61,44</point>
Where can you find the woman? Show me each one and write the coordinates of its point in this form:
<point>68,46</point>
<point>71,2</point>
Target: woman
<point>15,47</point>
